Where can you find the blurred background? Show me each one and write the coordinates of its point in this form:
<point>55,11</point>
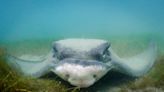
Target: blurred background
<point>37,19</point>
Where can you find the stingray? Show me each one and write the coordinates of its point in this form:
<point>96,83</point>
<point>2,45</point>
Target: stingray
<point>82,62</point>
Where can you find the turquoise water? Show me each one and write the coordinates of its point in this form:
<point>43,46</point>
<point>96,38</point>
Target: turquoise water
<point>39,19</point>
<point>122,23</point>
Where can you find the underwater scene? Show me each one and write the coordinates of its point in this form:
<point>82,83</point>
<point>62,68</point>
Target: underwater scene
<point>29,29</point>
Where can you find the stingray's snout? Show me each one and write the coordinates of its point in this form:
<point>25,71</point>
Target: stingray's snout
<point>82,83</point>
<point>81,73</point>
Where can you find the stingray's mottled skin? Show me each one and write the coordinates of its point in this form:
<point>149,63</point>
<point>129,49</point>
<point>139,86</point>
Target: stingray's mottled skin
<point>82,62</point>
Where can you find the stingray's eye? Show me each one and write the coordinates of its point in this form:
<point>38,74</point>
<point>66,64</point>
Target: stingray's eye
<point>106,56</point>
<point>55,49</point>
<point>55,52</point>
<point>106,52</point>
<point>66,53</point>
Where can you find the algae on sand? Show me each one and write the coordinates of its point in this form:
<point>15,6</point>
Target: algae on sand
<point>10,81</point>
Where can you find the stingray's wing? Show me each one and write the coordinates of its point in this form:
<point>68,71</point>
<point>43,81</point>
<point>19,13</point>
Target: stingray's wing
<point>137,65</point>
<point>35,67</point>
